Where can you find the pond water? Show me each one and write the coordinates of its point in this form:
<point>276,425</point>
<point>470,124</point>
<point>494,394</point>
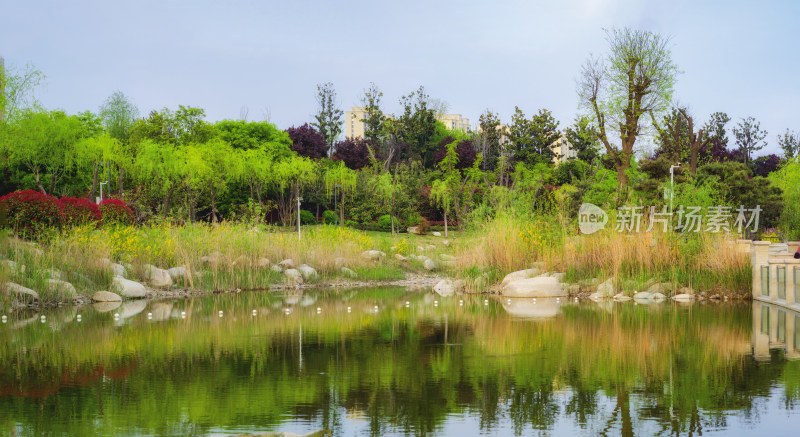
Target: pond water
<point>391,361</point>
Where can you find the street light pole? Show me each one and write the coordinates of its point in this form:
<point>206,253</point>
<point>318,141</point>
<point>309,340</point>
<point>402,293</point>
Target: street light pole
<point>672,184</point>
<point>299,199</point>
<point>101,190</point>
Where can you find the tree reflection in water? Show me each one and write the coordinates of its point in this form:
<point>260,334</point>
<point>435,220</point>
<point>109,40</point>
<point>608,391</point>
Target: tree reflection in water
<point>619,369</point>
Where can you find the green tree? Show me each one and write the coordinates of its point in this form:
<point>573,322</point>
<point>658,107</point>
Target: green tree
<point>749,137</point>
<point>93,151</point>
<point>158,166</point>
<point>329,117</point>
<point>291,175</point>
<point>491,134</point>
<point>417,126</point>
<point>444,189</point>
<point>582,137</point>
<point>339,180</point>
<point>16,91</point>
<point>223,166</point>
<point>715,127</point>
<point>636,77</point>
<point>374,118</point>
<point>119,115</point>
<point>790,144</point>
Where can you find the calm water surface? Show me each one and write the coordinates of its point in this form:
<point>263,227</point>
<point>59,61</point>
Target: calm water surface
<point>367,363</point>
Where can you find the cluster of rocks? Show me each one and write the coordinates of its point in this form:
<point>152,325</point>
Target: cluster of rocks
<point>53,281</point>
<point>655,292</point>
<point>294,275</point>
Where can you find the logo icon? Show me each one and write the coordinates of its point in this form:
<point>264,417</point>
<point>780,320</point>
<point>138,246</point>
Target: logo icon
<point>591,218</point>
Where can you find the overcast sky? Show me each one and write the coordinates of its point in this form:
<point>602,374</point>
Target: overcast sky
<point>742,58</point>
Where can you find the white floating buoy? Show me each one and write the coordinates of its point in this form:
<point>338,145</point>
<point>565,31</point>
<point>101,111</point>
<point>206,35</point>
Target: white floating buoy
<point>220,313</point>
<point>436,302</point>
<point>78,317</point>
<point>408,303</point>
<point>5,319</point>
<point>319,309</point>
<point>183,314</point>
<point>149,315</point>
<point>348,309</point>
<point>254,312</point>
<point>486,301</point>
<point>116,315</point>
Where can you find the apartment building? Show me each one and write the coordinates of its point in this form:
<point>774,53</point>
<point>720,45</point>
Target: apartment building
<point>454,121</point>
<point>355,126</point>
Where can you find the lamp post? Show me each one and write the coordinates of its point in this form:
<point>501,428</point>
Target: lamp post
<point>101,190</point>
<point>299,199</point>
<point>672,184</point>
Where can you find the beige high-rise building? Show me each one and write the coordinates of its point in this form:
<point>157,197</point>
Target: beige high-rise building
<point>563,150</point>
<point>354,126</point>
<point>454,121</point>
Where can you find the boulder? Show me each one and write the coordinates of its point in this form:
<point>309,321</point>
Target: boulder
<point>51,273</point>
<point>118,270</point>
<point>177,273</point>
<point>683,297</point>
<point>106,296</point>
<point>13,268</point>
<point>293,276</point>
<point>288,263</point>
<point>347,272</point>
<point>21,292</point>
<point>158,278</point>
<point>307,271</point>
<point>540,286</point>
<point>399,257</point>
<point>373,255</point>
<point>128,288</point>
<point>660,287</point>
<point>685,290</point>
<point>557,275</point>
<point>61,287</point>
<point>436,234</point>
<point>606,289</point>
<point>276,268</point>
<point>446,243</point>
<point>658,296</point>
<point>444,288</point>
<point>622,297</point>
<point>643,295</point>
<point>429,264</point>
<point>571,289</point>
<point>264,263</point>
<point>520,274</point>
<point>104,307</point>
<point>414,230</point>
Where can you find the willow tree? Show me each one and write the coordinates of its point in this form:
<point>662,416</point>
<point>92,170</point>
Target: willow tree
<point>339,180</point>
<point>635,78</point>
<point>445,189</point>
<point>291,175</point>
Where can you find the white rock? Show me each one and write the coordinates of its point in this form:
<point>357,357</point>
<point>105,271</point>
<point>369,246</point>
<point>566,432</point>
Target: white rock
<point>347,272</point>
<point>118,270</point>
<point>444,288</point>
<point>520,274</point>
<point>293,276</point>
<point>436,234</point>
<point>13,268</point>
<point>534,287</point>
<point>106,296</point>
<point>430,247</point>
<point>658,296</point>
<point>276,268</point>
<point>661,287</point>
<point>399,257</point>
<point>51,273</point>
<point>621,297</point>
<point>429,264</point>
<point>307,271</point>
<point>177,273</point>
<point>128,288</point>
<point>157,277</point>
<point>683,297</point>
<point>446,243</point>
<point>288,263</point>
<point>20,291</point>
<point>373,255</point>
<point>606,289</point>
<point>264,263</point>
<point>643,295</point>
<point>62,287</point>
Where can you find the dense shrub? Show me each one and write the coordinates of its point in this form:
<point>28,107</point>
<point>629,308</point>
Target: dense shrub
<point>307,218</point>
<point>329,217</point>
<point>30,213</point>
<point>385,223</point>
<point>115,211</point>
<point>78,211</point>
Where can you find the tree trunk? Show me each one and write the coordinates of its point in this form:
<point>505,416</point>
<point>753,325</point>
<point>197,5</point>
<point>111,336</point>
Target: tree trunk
<point>165,202</point>
<point>119,182</point>
<point>53,182</point>
<point>38,180</point>
<point>94,184</point>
<point>445,223</point>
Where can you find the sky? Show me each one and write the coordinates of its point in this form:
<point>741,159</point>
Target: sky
<point>738,57</point>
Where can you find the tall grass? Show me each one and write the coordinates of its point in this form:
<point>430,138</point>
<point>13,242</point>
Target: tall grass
<point>707,262</point>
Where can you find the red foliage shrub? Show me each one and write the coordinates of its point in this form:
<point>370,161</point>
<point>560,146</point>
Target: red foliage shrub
<point>78,211</point>
<point>116,211</point>
<point>31,212</point>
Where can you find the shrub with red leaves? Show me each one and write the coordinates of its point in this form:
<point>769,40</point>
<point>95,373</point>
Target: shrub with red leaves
<point>30,213</point>
<point>116,211</point>
<point>78,211</point>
